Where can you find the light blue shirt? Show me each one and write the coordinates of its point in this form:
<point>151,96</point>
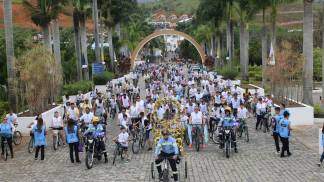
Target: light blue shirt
<point>168,146</point>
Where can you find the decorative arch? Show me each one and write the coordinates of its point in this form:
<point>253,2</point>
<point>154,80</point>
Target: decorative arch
<point>167,32</point>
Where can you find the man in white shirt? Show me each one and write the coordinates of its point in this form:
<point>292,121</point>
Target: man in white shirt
<point>87,117</point>
<point>261,109</point>
<point>235,103</point>
<point>125,101</point>
<point>199,95</point>
<point>140,105</point>
<point>196,119</point>
<point>73,112</point>
<point>57,125</point>
<point>11,117</point>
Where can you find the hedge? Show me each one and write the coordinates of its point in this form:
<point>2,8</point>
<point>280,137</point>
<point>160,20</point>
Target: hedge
<point>228,72</point>
<point>4,109</point>
<point>103,78</point>
<point>72,89</point>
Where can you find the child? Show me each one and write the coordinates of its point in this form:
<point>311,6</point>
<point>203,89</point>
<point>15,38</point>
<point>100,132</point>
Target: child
<point>122,139</point>
<point>275,126</point>
<point>39,131</point>
<point>322,156</point>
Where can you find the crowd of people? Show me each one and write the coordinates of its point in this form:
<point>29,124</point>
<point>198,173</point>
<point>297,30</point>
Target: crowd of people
<point>208,102</point>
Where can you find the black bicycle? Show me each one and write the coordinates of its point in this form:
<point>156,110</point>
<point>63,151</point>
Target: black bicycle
<point>5,149</point>
<point>119,151</point>
<point>197,136</point>
<point>243,129</point>
<point>17,136</point>
<point>139,140</point>
<point>166,170</point>
<point>30,146</point>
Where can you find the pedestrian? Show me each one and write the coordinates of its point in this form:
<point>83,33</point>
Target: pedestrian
<point>284,132</point>
<point>322,144</point>
<point>6,130</point>
<point>275,127</point>
<point>72,138</point>
<point>39,131</point>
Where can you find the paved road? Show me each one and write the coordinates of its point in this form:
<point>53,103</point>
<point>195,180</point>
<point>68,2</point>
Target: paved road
<point>256,161</point>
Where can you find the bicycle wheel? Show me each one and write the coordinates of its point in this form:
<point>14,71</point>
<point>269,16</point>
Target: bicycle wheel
<point>115,155</point>
<point>17,137</point>
<point>152,170</point>
<point>215,136</point>
<point>197,141</point>
<point>143,141</point>
<point>165,175</point>
<point>31,145</point>
<point>246,130</point>
<point>135,146</point>
<point>5,151</point>
<point>55,142</point>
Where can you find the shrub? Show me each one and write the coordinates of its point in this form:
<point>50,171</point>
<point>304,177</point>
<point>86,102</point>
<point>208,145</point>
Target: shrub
<point>228,72</point>
<point>4,108</point>
<point>72,89</point>
<point>103,78</point>
<point>317,109</point>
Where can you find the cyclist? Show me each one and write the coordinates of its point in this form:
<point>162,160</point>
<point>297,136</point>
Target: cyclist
<point>167,148</point>
<point>73,113</point>
<point>11,117</point>
<point>261,109</point>
<point>6,131</point>
<point>242,113</point>
<point>57,124</point>
<point>228,121</point>
<point>94,129</point>
<point>122,139</point>
<point>197,120</point>
<point>86,118</point>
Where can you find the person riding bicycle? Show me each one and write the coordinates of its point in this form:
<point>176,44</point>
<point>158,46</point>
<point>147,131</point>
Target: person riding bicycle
<point>57,124</point>
<point>6,131</point>
<point>94,129</point>
<point>86,118</point>
<point>242,113</point>
<point>167,148</point>
<point>197,120</point>
<point>228,121</point>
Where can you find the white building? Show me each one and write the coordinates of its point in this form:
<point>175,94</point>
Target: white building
<point>172,42</point>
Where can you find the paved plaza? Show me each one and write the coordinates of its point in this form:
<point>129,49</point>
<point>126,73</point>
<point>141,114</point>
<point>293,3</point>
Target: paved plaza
<point>256,161</point>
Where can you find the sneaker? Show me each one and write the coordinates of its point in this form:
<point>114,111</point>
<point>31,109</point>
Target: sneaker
<point>278,152</point>
<point>149,149</point>
<point>319,164</point>
<point>235,150</point>
<point>78,162</point>
<point>289,154</point>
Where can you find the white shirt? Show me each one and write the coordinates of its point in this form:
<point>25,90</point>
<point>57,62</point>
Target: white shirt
<point>236,103</point>
<point>260,107</point>
<point>199,96</point>
<point>125,101</point>
<point>57,122</point>
<point>242,113</point>
<point>160,112</point>
<point>196,118</point>
<point>123,139</point>
<point>140,105</point>
<point>133,112</point>
<point>123,122</point>
<point>87,118</point>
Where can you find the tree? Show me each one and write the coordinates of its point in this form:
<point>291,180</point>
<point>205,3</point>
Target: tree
<point>42,88</point>
<point>245,9</point>
<point>96,29</point>
<point>42,13</point>
<point>7,6</point>
<point>81,12</point>
<point>322,30</point>
<point>308,52</point>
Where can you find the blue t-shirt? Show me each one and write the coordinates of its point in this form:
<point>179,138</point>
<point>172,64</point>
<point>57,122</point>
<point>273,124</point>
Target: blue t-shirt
<point>6,129</point>
<point>277,120</point>
<point>283,128</point>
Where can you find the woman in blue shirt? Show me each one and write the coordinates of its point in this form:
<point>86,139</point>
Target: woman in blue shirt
<point>322,144</point>
<point>284,132</point>
<point>72,138</point>
<point>39,131</point>
<point>6,130</point>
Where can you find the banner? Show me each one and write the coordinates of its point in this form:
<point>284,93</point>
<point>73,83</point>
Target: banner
<point>97,68</point>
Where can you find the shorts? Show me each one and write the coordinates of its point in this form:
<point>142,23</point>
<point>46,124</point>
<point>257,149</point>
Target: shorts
<point>59,128</point>
<point>125,148</point>
<point>148,135</point>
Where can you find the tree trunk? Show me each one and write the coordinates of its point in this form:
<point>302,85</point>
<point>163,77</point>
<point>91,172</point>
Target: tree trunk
<point>218,44</point>
<point>308,53</point>
<point>322,30</point>
<point>77,40</point>
<point>84,47</point>
<point>244,49</point>
<point>228,40</point>
<point>56,41</point>
<point>111,47</point>
<point>96,30</point>
<point>264,49</point>
<point>47,38</point>
<point>118,30</point>
<point>7,6</point>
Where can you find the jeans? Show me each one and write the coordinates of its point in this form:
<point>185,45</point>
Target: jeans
<point>9,141</point>
<point>42,149</point>
<point>74,148</point>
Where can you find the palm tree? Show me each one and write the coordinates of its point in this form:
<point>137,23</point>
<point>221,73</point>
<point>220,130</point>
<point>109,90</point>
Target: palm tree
<point>82,9</point>
<point>56,40</point>
<point>77,42</point>
<point>7,6</point>
<point>96,29</point>
<point>322,30</point>
<point>308,52</point>
<point>245,10</point>
<point>229,29</point>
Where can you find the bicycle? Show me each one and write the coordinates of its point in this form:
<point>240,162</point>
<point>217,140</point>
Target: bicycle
<point>197,135</point>
<point>139,140</point>
<point>119,151</point>
<point>5,149</point>
<point>243,129</point>
<point>17,136</point>
<point>30,146</point>
<point>166,168</point>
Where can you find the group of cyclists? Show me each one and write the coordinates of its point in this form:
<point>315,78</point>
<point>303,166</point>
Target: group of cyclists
<point>208,103</point>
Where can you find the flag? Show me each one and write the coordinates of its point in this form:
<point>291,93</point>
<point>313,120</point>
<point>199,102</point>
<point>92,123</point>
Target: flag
<point>272,59</point>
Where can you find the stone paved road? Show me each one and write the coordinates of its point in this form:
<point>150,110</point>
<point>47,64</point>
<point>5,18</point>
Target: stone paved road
<point>256,161</point>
